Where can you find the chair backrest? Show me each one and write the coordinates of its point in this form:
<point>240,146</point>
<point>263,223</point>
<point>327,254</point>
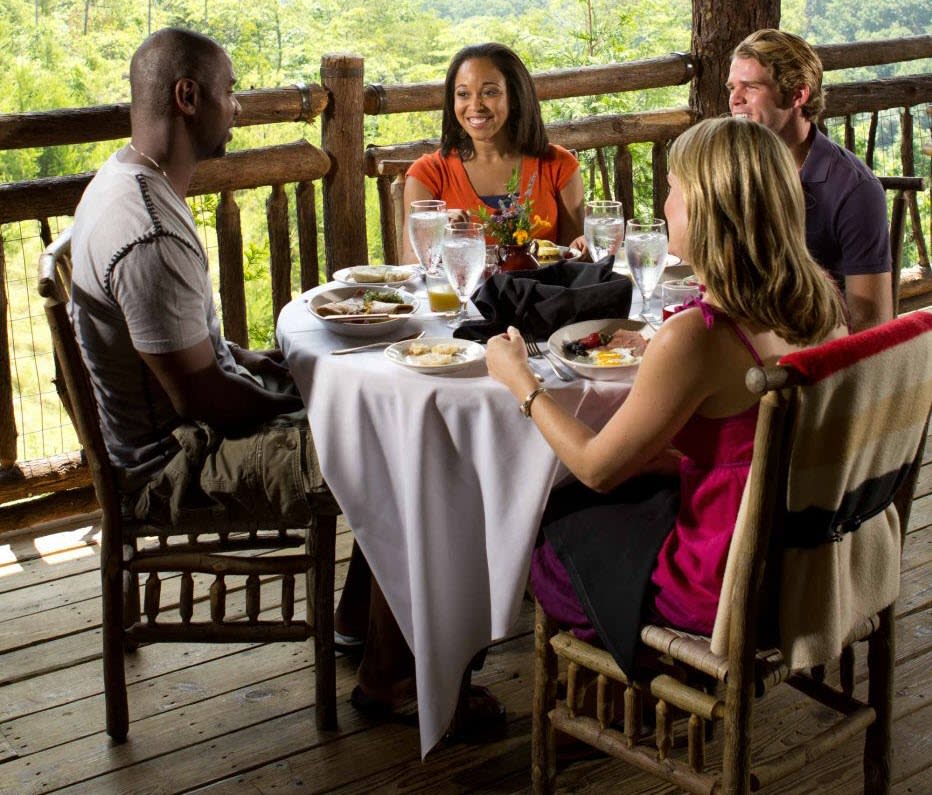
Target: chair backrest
<point>72,381</point>
<point>899,186</point>
<point>817,543</point>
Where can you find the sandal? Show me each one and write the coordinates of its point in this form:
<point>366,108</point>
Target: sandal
<point>483,718</point>
<point>348,644</point>
<point>404,713</point>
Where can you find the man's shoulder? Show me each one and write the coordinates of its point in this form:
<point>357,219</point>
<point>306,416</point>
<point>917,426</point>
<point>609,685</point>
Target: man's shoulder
<point>832,163</point>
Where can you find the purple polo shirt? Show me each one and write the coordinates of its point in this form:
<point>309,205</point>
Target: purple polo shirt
<point>846,212</point>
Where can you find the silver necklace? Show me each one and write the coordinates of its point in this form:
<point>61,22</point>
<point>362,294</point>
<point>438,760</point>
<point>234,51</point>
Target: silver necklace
<point>152,160</point>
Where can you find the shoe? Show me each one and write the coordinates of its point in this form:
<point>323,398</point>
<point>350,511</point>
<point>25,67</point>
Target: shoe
<point>404,713</point>
<point>348,644</point>
<point>484,718</point>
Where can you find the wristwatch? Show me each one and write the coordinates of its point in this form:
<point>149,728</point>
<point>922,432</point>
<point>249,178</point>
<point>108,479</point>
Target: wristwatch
<point>526,405</point>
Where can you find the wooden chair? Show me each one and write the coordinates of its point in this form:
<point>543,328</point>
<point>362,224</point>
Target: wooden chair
<point>217,551</point>
<point>899,186</point>
<point>846,414</point>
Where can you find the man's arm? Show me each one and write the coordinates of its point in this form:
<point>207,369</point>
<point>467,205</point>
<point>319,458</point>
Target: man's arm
<point>870,299</point>
<point>200,390</point>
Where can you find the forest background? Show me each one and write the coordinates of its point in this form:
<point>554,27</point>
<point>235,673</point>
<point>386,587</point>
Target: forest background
<point>74,53</point>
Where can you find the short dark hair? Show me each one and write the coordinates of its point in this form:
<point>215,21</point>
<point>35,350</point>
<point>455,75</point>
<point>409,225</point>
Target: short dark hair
<point>164,58</point>
<point>525,125</point>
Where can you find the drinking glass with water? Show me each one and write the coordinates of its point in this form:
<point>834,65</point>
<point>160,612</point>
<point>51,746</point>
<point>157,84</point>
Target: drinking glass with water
<point>604,228</point>
<point>463,261</point>
<point>646,253</point>
<point>426,221</point>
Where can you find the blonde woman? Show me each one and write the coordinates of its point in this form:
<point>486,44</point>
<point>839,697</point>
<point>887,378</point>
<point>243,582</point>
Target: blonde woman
<point>648,525</point>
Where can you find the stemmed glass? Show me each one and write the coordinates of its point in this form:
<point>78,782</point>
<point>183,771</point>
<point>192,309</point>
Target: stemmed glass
<point>603,228</point>
<point>646,253</point>
<point>463,261</point>
<point>426,221</point>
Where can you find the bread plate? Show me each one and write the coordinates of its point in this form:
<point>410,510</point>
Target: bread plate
<point>417,354</point>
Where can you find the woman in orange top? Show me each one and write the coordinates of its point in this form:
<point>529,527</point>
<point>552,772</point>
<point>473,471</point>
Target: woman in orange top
<point>491,126</point>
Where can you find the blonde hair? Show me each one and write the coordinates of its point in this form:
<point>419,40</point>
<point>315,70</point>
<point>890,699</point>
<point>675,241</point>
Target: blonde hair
<point>792,63</point>
<point>746,229</point>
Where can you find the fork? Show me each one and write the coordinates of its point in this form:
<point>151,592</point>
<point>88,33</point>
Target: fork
<point>534,351</point>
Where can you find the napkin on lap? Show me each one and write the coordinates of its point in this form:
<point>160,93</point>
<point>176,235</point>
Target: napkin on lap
<point>542,301</point>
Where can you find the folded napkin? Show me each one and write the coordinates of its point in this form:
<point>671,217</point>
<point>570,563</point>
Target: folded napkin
<point>542,301</point>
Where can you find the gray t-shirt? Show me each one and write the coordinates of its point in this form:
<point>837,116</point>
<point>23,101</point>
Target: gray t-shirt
<point>140,283</point>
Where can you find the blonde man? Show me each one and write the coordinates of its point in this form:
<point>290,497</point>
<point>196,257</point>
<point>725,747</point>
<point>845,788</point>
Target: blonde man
<point>776,79</point>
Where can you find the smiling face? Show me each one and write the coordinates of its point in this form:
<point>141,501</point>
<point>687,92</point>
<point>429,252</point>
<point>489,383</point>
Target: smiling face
<point>754,94</point>
<point>480,101</point>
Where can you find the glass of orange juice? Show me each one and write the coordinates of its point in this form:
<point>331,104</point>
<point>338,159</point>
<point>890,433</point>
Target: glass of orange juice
<point>440,293</point>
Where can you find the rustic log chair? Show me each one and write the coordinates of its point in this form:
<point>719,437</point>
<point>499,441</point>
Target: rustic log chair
<point>207,550</point>
<point>899,186</point>
<point>878,412</point>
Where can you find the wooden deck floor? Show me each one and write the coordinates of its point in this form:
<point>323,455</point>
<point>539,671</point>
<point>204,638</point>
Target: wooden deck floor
<point>239,719</point>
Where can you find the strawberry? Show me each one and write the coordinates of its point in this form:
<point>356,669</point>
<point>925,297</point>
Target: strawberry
<point>594,340</point>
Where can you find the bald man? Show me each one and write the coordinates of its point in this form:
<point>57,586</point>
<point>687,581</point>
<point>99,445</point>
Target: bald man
<point>776,80</point>
<point>191,422</point>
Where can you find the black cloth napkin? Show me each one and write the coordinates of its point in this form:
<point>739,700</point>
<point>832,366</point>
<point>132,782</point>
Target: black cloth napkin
<point>542,301</point>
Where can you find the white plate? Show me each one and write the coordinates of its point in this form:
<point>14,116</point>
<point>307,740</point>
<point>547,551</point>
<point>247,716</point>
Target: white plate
<point>469,353</point>
<point>592,371</point>
<point>621,264</point>
<point>372,329</point>
<point>409,272</point>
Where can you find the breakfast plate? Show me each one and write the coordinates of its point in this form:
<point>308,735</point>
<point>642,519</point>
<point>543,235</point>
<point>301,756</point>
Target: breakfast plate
<point>362,327</point>
<point>435,355</point>
<point>377,275</point>
<point>565,253</point>
<point>604,365</point>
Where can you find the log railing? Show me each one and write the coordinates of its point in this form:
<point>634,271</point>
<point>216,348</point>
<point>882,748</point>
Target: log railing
<point>342,163</point>
<point>609,137</point>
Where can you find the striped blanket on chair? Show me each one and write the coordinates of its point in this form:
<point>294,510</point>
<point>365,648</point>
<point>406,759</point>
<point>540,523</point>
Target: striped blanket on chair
<point>857,428</point>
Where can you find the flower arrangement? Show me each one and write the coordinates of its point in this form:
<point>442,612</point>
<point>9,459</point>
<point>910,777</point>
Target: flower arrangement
<point>513,223</point>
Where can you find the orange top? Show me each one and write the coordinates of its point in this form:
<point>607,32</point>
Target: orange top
<point>446,179</point>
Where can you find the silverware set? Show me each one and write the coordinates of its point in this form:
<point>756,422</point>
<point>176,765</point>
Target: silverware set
<point>534,351</point>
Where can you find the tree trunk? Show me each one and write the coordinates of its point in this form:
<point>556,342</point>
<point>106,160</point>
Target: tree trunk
<point>718,27</point>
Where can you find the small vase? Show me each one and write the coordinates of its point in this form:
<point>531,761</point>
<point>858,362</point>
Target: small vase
<point>513,257</point>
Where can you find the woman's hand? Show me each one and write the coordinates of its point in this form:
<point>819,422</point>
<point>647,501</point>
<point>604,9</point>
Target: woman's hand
<point>580,245</point>
<point>506,358</point>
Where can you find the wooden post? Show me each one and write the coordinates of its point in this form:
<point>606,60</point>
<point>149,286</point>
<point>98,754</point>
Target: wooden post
<point>718,27</point>
<point>906,152</point>
<point>232,286</point>
<point>276,210</point>
<point>306,211</point>
<point>624,179</point>
<point>658,158</point>
<point>7,420</point>
<point>342,138</point>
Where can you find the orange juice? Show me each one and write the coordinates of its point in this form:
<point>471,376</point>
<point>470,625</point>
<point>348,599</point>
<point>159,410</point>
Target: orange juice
<point>442,298</point>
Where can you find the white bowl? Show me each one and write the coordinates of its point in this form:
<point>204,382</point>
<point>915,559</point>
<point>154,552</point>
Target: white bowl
<point>575,331</point>
<point>367,329</point>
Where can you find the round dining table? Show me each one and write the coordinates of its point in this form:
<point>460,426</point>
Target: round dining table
<point>442,481</point>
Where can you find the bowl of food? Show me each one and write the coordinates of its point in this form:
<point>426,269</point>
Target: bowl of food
<point>602,350</point>
<point>548,253</point>
<point>361,312</point>
<point>376,275</point>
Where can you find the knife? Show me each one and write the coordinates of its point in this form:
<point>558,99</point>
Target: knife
<point>375,345</point>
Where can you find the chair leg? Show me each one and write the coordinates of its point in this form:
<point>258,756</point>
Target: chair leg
<point>736,757</point>
<point>878,748</point>
<point>543,750</point>
<point>130,597</point>
<point>111,572</point>
<point>321,544</point>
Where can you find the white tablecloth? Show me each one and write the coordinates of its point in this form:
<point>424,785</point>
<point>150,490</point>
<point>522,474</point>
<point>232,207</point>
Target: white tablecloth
<point>443,483</point>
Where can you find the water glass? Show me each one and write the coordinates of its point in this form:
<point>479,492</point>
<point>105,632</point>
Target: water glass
<point>674,293</point>
<point>646,254</point>
<point>463,261</point>
<point>604,228</point>
<point>426,221</point>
